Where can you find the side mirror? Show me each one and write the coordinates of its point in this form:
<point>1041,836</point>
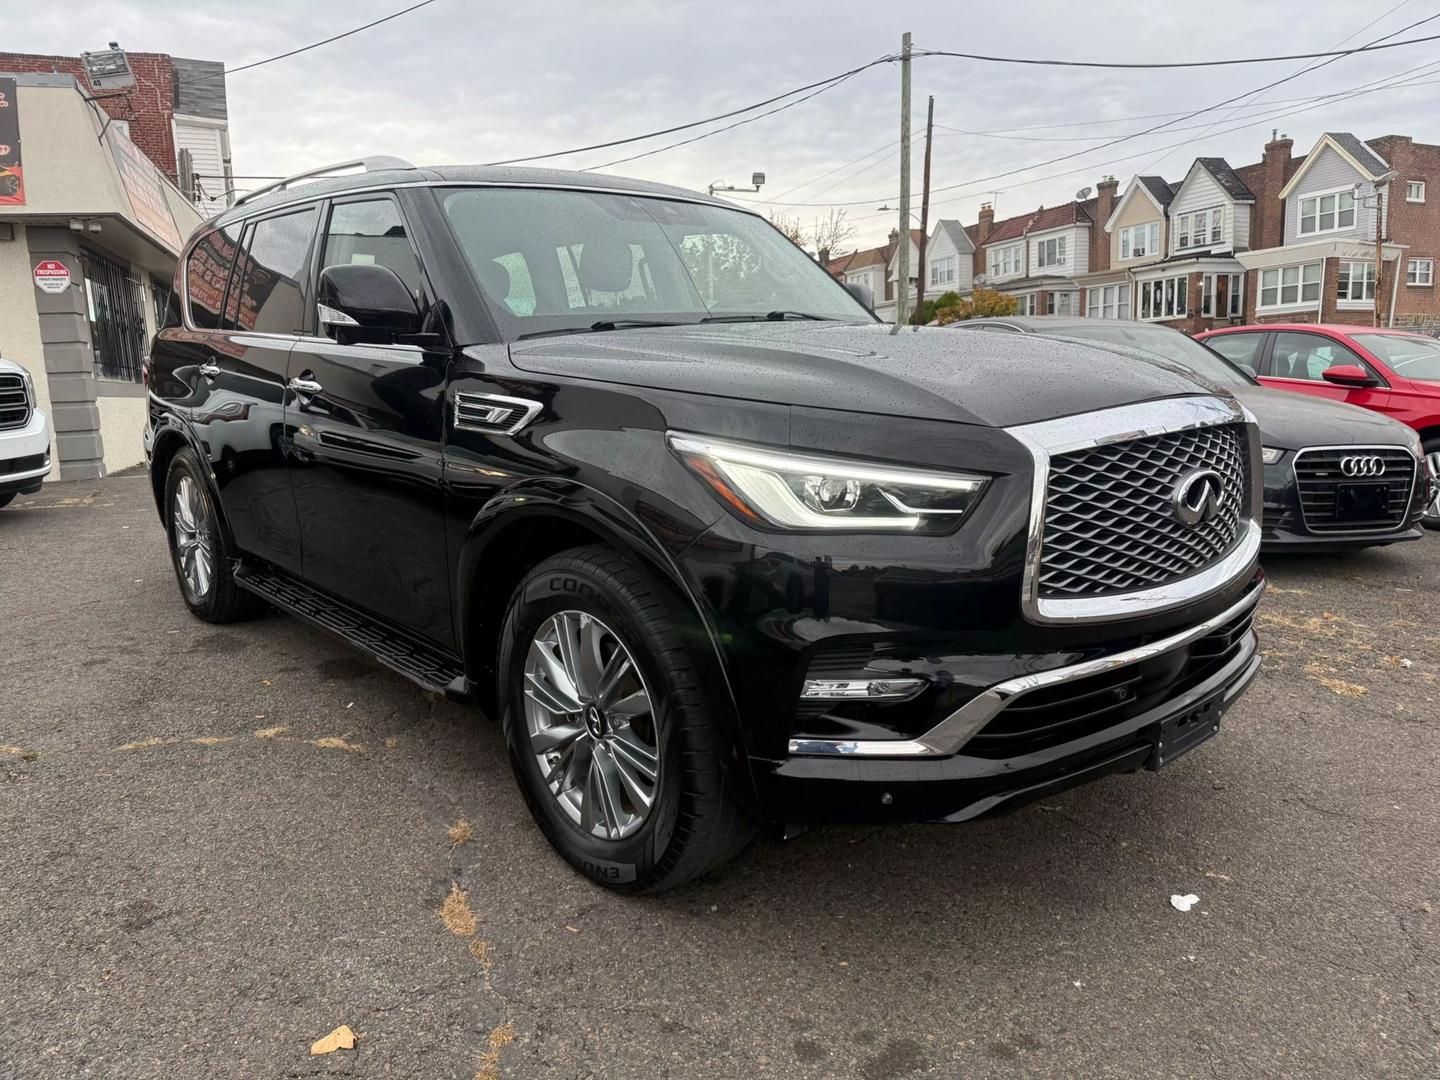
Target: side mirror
<point>363,302</point>
<point>861,292</point>
<point>1349,375</point>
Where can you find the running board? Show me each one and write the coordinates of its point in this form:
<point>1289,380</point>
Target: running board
<point>433,668</point>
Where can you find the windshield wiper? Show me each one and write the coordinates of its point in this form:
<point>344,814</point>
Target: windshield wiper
<point>603,324</point>
<point>769,316</point>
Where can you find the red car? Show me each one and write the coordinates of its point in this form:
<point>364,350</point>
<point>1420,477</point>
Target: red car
<point>1394,372</point>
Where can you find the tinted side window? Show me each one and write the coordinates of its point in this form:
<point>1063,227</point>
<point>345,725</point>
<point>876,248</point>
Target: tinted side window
<point>206,272</point>
<point>267,296</point>
<point>1306,356</point>
<point>371,232</point>
<point>1238,348</point>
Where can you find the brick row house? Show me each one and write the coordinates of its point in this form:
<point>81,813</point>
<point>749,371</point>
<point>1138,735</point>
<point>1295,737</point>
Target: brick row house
<point>1284,239</point>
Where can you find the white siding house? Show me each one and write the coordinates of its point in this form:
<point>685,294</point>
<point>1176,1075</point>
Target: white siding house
<point>949,258</point>
<point>1328,174</point>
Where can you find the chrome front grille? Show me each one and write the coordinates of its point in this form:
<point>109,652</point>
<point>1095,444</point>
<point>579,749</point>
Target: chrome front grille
<point>1320,477</point>
<point>1110,522</point>
<point>14,404</point>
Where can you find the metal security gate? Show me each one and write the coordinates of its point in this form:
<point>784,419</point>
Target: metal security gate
<point>114,303</point>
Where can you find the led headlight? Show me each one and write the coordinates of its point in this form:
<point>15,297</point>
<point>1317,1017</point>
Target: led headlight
<point>1271,454</point>
<point>798,491</point>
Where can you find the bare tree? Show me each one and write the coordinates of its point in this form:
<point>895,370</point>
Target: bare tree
<point>790,227</point>
<point>828,233</point>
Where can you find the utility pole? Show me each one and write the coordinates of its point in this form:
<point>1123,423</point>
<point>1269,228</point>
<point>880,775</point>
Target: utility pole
<point>925,207</point>
<point>902,289</point>
<point>1380,202</point>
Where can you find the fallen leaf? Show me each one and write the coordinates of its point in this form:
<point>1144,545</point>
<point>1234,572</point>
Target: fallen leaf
<point>266,682</point>
<point>211,740</point>
<point>342,1038</point>
<point>455,913</point>
<point>461,831</point>
<point>337,742</point>
<point>140,744</point>
<point>271,732</point>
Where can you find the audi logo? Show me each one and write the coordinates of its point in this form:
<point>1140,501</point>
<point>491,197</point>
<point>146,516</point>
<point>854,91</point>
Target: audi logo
<point>1362,465</point>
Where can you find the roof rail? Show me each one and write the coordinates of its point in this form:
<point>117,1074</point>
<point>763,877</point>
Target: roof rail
<point>370,164</point>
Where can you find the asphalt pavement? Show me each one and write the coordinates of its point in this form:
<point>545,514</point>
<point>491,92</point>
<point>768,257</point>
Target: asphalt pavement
<point>221,843</point>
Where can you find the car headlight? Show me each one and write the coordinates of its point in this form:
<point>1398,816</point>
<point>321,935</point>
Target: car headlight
<point>1271,454</point>
<point>799,491</point>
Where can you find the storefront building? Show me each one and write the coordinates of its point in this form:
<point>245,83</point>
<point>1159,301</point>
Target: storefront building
<point>90,231</point>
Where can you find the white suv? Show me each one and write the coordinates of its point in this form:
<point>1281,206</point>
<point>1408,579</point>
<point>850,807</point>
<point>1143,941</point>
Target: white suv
<point>24,435</point>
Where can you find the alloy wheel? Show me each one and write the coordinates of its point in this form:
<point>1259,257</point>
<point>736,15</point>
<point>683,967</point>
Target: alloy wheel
<point>1432,512</point>
<point>194,546</point>
<point>591,723</point>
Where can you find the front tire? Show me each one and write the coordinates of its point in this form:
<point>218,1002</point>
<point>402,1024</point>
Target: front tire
<point>616,750</point>
<point>1431,517</point>
<point>198,551</point>
<point>6,499</point>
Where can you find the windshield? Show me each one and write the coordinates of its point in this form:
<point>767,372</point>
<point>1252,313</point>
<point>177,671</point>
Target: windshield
<point>1410,357</point>
<point>550,261</point>
<point>1167,344</point>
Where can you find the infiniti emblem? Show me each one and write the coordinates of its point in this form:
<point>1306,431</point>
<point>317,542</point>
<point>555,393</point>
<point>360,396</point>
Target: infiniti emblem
<point>1363,465</point>
<point>1196,498</point>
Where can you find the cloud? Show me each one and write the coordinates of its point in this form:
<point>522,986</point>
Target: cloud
<point>461,81</point>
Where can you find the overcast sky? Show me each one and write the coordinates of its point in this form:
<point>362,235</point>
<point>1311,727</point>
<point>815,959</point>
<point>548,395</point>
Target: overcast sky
<point>464,81</point>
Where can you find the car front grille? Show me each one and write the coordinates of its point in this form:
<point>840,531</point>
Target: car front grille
<point>1320,476</point>
<point>1110,525</point>
<point>14,404</point>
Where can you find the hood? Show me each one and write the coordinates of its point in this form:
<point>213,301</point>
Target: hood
<point>991,379</point>
<point>1291,421</point>
<point>9,367</point>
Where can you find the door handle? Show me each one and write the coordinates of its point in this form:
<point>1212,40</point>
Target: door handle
<point>209,369</point>
<point>302,385</point>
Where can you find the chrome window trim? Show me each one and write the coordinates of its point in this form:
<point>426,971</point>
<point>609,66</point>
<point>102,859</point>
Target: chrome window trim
<point>1064,435</point>
<point>1409,499</point>
<point>532,409</point>
<point>950,735</point>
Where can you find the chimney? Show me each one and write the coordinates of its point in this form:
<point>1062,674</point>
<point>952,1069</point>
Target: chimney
<point>987,221</point>
<point>1099,239</point>
<point>1269,231</point>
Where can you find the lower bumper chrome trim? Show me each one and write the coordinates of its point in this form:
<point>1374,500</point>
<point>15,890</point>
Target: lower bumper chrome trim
<point>957,729</point>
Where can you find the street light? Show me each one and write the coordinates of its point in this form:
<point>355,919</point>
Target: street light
<point>108,69</point>
<point>757,181</point>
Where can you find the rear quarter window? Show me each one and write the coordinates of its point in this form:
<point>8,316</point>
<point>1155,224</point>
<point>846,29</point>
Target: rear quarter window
<point>207,269</point>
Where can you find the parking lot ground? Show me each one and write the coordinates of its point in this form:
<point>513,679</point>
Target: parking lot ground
<point>220,843</point>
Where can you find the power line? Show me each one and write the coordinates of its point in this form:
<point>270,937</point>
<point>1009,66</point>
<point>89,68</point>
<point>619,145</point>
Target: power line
<point>729,127</point>
<point>1176,63</point>
<point>1105,145</point>
<point>697,123</point>
<point>1254,122</point>
<point>313,45</point>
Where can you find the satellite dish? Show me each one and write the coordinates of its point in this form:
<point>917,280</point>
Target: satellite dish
<point>1082,194</point>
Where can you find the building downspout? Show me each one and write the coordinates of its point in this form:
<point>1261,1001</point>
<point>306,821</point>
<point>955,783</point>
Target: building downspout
<point>1324,277</point>
<point>1394,292</point>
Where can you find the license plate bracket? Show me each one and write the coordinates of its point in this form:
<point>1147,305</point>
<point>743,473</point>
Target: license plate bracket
<point>1185,730</point>
<point>1362,502</point>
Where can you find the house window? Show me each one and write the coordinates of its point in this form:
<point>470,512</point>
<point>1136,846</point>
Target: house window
<point>1420,272</point>
<point>1026,304</point>
<point>1050,252</point>
<point>1062,303</point>
<point>1005,260</point>
<point>1199,228</point>
<point>942,271</point>
<point>1326,213</point>
<point>1357,283</point>
<point>1164,298</point>
<point>1137,241</point>
<point>1415,191</point>
<point>1108,302</point>
<point>1283,286</point>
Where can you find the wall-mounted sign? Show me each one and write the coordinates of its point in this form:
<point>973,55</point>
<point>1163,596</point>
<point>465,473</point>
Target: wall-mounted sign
<point>145,189</point>
<point>52,276</point>
<point>12,176</point>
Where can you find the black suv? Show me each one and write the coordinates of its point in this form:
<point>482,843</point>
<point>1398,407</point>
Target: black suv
<point>621,463</point>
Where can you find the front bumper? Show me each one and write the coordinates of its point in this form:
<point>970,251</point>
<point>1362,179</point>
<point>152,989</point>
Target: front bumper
<point>25,456</point>
<point>855,784</point>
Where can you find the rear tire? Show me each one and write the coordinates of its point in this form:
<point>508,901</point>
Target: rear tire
<point>202,558</point>
<point>622,772</point>
<point>1431,517</point>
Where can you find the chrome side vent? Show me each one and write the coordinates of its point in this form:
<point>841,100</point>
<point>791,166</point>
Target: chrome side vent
<point>493,413</point>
